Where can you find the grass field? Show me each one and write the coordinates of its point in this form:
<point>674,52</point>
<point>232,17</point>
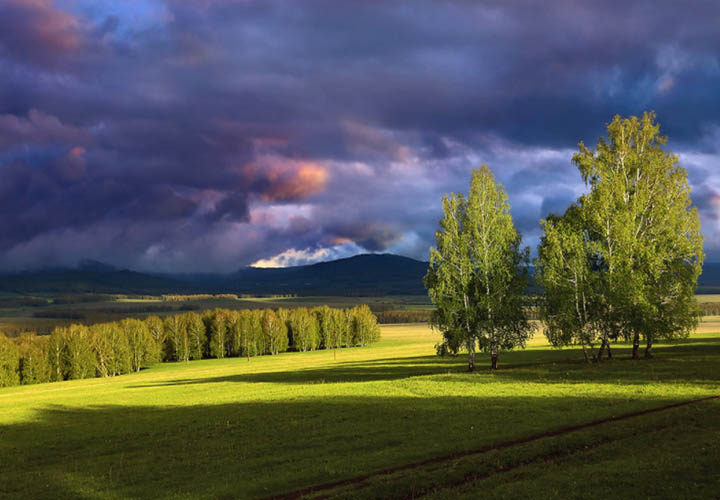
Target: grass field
<point>414,424</point>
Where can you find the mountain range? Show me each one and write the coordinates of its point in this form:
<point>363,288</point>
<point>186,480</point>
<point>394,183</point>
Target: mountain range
<point>361,275</point>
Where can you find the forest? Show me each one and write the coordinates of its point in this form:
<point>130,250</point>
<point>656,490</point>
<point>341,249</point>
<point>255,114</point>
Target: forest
<point>110,349</point>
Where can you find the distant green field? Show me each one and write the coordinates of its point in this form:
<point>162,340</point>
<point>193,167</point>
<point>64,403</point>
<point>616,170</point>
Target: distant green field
<point>237,429</point>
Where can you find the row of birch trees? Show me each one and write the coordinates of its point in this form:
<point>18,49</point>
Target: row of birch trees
<point>621,263</point>
<point>111,349</point>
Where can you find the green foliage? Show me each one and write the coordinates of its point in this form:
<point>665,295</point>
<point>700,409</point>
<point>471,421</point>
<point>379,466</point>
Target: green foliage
<point>633,243</point>
<point>177,342</point>
<point>140,342</point>
<point>34,362</point>
<point>195,336</point>
<point>121,360</point>
<point>363,325</point>
<point>56,352</point>
<point>198,296</point>
<point>571,307</point>
<point>305,329</point>
<point>79,358</point>
<point>257,335</point>
<point>323,317</point>
<point>234,337</point>
<point>9,362</point>
<point>102,347</point>
<point>110,349</point>
<point>284,316</point>
<point>218,333</point>
<point>275,332</point>
<point>244,333</point>
<point>404,316</point>
<point>337,328</point>
<point>157,332</point>
<point>477,275</point>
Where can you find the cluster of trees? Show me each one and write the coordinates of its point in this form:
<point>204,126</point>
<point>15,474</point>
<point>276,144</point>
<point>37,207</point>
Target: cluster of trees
<point>710,308</point>
<point>621,263</point>
<point>198,296</point>
<point>12,302</point>
<point>211,296</point>
<point>404,316</point>
<point>110,349</point>
<point>84,298</point>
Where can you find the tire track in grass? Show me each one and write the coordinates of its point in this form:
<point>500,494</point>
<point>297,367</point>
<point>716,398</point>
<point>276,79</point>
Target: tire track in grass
<point>547,457</point>
<point>358,480</point>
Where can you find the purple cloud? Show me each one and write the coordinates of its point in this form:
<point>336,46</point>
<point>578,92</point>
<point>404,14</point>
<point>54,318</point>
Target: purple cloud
<point>210,135</point>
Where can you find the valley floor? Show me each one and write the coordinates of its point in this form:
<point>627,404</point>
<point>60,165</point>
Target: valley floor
<point>388,421</point>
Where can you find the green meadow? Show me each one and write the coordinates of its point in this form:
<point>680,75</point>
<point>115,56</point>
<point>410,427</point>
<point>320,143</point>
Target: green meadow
<point>387,421</point>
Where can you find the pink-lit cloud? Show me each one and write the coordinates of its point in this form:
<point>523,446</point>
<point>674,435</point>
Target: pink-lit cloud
<point>207,135</point>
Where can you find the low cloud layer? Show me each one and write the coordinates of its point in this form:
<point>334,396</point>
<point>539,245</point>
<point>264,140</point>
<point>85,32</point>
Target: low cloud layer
<point>204,136</point>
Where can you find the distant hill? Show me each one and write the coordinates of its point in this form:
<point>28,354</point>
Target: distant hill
<point>361,275</point>
<point>368,274</point>
<point>709,281</point>
<point>71,281</point>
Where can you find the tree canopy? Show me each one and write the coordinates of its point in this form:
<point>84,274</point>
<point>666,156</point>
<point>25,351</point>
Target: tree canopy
<point>115,348</point>
<point>477,275</point>
<point>631,248</point>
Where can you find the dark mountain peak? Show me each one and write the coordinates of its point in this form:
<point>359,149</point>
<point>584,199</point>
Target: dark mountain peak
<point>364,274</point>
<point>95,266</point>
<point>374,259</point>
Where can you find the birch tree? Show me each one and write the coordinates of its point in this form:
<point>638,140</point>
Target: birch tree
<point>275,332</point>
<point>645,231</point>
<point>196,335</point>
<point>79,357</point>
<point>140,342</point>
<point>176,335</point>
<point>569,306</point>
<point>218,333</point>
<point>157,331</point>
<point>9,362</point>
<point>304,328</point>
<point>477,274</point>
<point>34,362</point>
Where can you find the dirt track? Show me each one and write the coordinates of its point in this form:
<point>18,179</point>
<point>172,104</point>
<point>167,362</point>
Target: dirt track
<point>358,480</point>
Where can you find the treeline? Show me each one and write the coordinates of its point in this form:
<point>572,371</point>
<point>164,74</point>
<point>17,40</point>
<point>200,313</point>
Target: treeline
<point>198,296</point>
<point>215,296</point>
<point>12,302</point>
<point>710,308</point>
<point>87,314</point>
<point>425,315</point>
<point>110,349</point>
<point>84,298</point>
<point>407,316</point>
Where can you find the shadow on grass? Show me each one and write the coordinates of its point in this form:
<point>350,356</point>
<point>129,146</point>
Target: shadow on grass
<point>688,362</point>
<point>259,448</point>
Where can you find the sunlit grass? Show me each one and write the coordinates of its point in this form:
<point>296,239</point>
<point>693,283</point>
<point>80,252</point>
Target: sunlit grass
<point>238,429</point>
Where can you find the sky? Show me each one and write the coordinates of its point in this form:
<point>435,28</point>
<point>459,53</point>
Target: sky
<point>207,135</point>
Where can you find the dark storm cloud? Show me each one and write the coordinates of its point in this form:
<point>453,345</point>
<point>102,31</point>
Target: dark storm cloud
<point>35,32</point>
<point>209,134</point>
